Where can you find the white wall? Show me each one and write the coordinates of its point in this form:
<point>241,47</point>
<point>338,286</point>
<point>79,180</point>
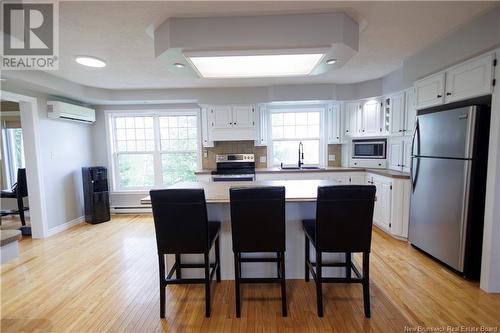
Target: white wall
<point>65,147</point>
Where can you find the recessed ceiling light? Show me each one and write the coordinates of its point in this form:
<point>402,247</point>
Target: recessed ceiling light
<point>273,65</point>
<point>179,65</point>
<point>90,61</point>
<point>331,61</point>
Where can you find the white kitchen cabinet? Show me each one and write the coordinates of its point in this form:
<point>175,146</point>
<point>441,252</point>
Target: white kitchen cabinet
<point>410,111</point>
<point>221,116</point>
<point>205,129</point>
<point>352,118</point>
<point>399,153</point>
<point>372,118</point>
<point>231,122</point>
<point>382,209</point>
<point>397,109</point>
<point>470,79</point>
<point>243,116</point>
<point>430,91</point>
<point>407,145</point>
<point>262,120</point>
<point>395,153</point>
<point>334,123</point>
<point>357,178</point>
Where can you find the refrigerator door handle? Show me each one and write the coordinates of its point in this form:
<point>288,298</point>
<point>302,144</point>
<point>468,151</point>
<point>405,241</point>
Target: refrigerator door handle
<point>416,135</point>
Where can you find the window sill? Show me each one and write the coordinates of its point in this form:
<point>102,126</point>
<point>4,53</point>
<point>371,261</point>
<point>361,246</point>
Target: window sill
<point>129,192</point>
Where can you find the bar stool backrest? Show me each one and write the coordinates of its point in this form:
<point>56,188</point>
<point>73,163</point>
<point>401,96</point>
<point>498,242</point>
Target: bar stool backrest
<point>344,216</point>
<point>258,219</point>
<point>180,218</point>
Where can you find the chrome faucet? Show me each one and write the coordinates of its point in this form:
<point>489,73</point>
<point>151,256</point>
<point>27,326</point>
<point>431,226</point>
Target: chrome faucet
<point>301,154</point>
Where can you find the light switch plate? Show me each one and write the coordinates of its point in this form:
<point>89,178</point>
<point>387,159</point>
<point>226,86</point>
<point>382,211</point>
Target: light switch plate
<point>331,157</point>
<point>263,159</point>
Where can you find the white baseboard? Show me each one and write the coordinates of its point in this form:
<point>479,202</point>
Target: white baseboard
<point>57,229</point>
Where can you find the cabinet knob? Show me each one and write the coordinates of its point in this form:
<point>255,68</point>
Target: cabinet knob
<point>347,131</point>
<point>337,137</point>
<point>448,94</point>
<point>400,131</point>
<point>439,96</point>
<point>234,123</point>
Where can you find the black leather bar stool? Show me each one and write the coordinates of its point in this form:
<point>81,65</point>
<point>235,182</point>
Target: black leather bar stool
<point>182,226</point>
<point>258,225</point>
<point>343,223</point>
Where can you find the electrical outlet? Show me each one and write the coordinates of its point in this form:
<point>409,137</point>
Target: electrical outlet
<point>263,159</point>
<point>205,153</point>
<point>331,157</point>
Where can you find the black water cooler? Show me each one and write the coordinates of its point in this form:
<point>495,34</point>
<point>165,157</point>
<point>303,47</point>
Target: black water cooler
<point>96,194</point>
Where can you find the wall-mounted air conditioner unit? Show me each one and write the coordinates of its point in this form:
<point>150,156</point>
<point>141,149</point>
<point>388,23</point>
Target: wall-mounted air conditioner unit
<point>67,111</point>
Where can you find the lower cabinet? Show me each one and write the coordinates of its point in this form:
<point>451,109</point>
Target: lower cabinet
<point>392,205</point>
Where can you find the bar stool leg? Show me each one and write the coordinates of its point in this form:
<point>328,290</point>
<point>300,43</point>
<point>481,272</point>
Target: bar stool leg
<point>178,272</point>
<point>348,265</point>
<point>283,285</point>
<point>319,292</point>
<point>207,284</point>
<point>217,259</point>
<point>307,258</point>
<point>237,283</point>
<point>161,263</point>
<point>366,283</point>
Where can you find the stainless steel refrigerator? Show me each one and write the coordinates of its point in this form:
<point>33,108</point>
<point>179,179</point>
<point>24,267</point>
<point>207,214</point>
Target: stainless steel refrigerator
<point>448,173</point>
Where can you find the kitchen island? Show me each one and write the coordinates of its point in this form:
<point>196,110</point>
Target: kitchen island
<point>300,204</point>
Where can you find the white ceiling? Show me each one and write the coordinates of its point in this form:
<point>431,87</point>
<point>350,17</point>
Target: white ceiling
<point>118,32</point>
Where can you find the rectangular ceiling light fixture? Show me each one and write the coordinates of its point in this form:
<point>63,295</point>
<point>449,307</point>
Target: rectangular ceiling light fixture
<point>253,66</point>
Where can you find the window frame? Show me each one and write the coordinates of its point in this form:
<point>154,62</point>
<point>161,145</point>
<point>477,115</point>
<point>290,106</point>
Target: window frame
<point>299,108</point>
<point>114,176</point>
<point>9,159</point>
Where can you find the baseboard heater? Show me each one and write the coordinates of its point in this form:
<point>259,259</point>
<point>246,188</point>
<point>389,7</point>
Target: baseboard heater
<point>144,209</point>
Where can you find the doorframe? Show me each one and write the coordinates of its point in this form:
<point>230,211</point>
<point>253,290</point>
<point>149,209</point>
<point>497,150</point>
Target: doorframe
<point>29,109</point>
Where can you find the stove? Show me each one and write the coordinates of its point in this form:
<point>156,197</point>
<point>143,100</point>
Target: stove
<point>234,168</point>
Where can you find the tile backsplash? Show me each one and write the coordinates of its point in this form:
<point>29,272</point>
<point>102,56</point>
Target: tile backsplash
<point>233,147</point>
<point>248,147</point>
<point>337,151</point>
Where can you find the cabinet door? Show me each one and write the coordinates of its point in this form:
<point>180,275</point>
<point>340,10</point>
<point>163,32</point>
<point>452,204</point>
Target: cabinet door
<point>410,112</point>
<point>407,141</point>
<point>205,132</point>
<point>334,123</point>
<point>352,125</point>
<point>471,79</point>
<point>430,91</point>
<point>261,117</point>
<point>341,178</point>
<point>221,116</point>
<point>372,118</point>
<point>382,210</point>
<point>397,109</point>
<point>357,179</point>
<point>395,153</point>
<point>243,116</point>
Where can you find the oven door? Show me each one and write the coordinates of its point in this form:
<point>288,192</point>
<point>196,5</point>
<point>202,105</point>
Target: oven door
<point>369,149</point>
<point>233,178</point>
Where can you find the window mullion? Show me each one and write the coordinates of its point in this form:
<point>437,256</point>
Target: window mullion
<point>157,153</point>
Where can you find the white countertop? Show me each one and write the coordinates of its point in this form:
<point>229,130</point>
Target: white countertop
<point>218,192</point>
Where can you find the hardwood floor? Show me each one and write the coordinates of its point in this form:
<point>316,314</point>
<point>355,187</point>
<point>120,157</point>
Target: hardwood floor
<point>95,278</point>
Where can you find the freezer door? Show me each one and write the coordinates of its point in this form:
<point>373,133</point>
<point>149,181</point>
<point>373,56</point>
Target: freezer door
<point>439,208</point>
<point>447,133</point>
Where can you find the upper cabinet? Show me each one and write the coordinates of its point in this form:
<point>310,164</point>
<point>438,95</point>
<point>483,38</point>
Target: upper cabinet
<point>231,122</point>
<point>372,118</point>
<point>262,120</point>
<point>430,91</point>
<point>334,128</point>
<point>396,106</point>
<point>352,118</point>
<point>472,78</point>
<point>410,117</point>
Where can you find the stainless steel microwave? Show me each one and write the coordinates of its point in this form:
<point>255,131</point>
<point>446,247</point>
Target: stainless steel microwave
<point>369,148</point>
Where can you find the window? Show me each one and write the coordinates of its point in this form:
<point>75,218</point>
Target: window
<point>14,153</point>
<point>292,126</point>
<point>154,149</point>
